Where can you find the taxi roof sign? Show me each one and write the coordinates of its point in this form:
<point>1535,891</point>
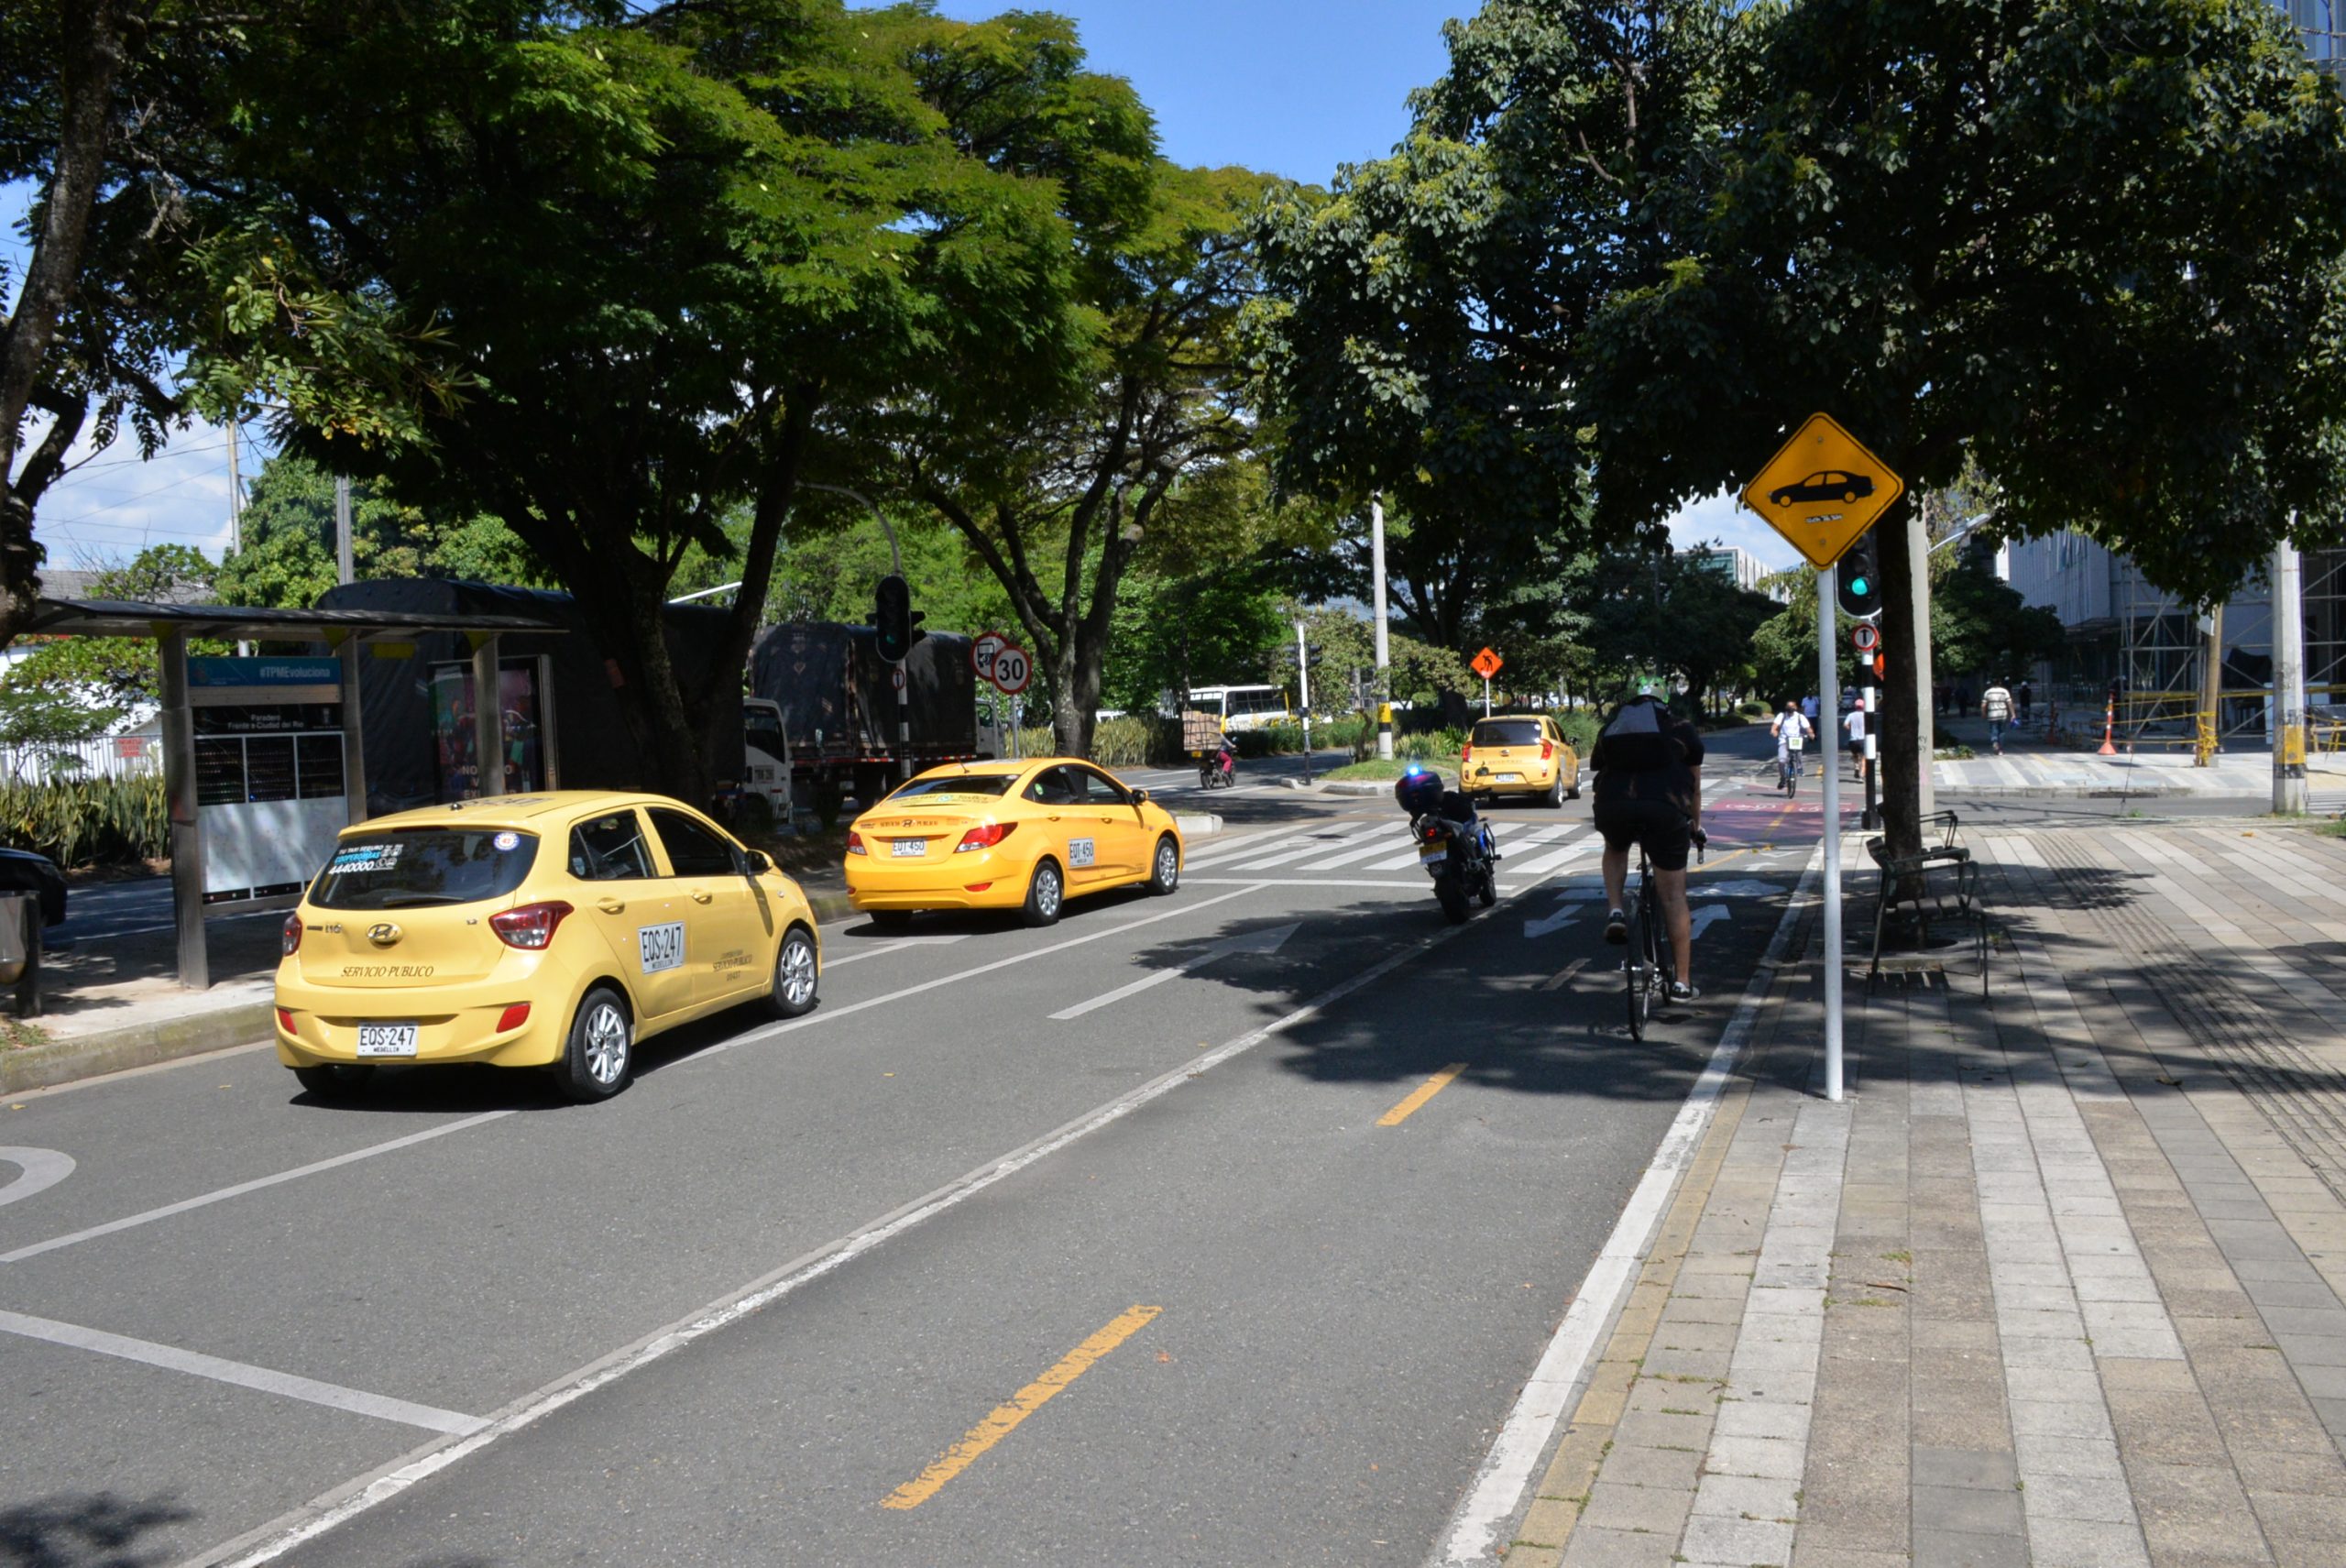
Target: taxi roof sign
<point>1823,490</point>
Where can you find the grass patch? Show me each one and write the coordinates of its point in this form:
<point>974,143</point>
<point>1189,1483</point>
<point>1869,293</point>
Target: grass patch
<point>17,1035</point>
<point>1388,768</point>
<point>2331,830</point>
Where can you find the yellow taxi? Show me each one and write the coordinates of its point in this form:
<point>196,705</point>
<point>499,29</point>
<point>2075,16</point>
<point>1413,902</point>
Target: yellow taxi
<point>550,930</point>
<point>1518,753</point>
<point>1025,834</point>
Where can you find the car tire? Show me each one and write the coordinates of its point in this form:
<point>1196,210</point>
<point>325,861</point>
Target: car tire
<point>1046,894</point>
<point>797,975</point>
<point>889,919</point>
<point>1165,867</point>
<point>1573,793</point>
<point>1554,799</point>
<point>336,1083</point>
<point>599,1056</point>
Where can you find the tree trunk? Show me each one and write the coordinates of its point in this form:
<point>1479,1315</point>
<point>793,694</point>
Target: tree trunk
<point>93,37</point>
<point>1906,651</point>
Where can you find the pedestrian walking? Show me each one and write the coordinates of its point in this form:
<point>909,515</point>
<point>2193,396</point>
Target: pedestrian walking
<point>2027,696</point>
<point>1996,707</point>
<point>1808,711</point>
<point>1854,726</point>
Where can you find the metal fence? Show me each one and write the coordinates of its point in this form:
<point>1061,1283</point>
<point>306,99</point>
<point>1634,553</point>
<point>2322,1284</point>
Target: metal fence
<point>111,758</point>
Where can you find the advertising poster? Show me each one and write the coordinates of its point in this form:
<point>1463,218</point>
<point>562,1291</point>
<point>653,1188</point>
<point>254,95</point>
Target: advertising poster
<point>454,735</point>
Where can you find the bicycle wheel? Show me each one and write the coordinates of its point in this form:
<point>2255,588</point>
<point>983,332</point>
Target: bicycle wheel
<point>1649,939</point>
<point>1637,970</point>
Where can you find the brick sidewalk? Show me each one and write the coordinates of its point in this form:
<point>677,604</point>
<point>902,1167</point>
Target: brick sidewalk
<point>2059,1282</point>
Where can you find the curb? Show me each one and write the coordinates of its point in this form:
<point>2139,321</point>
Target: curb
<point>117,1050</point>
<point>1197,824</point>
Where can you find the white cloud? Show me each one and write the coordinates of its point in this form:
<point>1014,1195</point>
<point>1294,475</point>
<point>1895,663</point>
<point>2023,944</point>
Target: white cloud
<point>1724,519</point>
<point>118,503</point>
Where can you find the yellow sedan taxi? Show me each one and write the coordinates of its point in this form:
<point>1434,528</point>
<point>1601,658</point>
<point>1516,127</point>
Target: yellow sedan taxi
<point>550,930</point>
<point>1025,834</point>
<point>1519,754</point>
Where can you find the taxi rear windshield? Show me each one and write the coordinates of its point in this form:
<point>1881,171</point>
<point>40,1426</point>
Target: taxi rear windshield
<point>1507,732</point>
<point>958,784</point>
<point>416,866</point>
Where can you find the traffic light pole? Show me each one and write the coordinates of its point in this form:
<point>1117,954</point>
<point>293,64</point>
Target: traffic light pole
<point>1828,678</point>
<point>1303,695</point>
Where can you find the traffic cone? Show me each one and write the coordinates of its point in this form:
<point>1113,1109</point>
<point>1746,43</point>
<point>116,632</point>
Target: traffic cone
<point>2109,725</point>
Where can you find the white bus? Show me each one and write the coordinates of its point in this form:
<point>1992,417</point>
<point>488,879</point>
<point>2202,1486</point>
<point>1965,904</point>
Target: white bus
<point>1242,707</point>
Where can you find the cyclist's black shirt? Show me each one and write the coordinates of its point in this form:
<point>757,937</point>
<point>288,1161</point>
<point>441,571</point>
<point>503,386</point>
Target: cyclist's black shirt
<point>1646,753</point>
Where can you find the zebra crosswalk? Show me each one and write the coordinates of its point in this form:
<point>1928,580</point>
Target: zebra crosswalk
<point>1381,847</point>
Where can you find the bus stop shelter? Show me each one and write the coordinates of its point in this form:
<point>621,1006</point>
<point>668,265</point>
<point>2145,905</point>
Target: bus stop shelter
<point>348,635</point>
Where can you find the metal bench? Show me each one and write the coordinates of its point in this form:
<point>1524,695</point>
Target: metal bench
<point>1940,885</point>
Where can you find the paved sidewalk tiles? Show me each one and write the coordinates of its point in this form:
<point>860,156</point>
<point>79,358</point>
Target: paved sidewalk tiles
<point>2058,1283</point>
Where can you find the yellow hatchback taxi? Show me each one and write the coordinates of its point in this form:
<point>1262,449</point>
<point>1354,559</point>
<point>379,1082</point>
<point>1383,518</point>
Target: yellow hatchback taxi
<point>550,930</point>
<point>1025,834</point>
<point>1518,753</point>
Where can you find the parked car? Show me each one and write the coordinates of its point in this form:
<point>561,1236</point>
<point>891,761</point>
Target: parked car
<point>22,871</point>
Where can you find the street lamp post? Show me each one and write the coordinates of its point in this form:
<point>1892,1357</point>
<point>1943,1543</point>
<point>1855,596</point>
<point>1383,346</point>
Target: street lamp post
<point>1384,653</point>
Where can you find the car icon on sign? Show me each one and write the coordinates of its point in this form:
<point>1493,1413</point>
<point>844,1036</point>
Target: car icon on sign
<point>1828,486</point>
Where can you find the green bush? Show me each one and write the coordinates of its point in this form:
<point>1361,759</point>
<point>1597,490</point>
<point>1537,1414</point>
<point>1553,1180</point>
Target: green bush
<point>1752,709</point>
<point>102,821</point>
<point>1579,727</point>
<point>1432,745</point>
<point>1129,740</point>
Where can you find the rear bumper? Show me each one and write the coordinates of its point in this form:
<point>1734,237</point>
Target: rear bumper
<point>977,881</point>
<point>455,1023</point>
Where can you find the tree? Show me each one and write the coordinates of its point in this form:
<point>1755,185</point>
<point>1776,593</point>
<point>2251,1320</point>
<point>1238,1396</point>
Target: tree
<point>108,675</point>
<point>1979,624</point>
<point>612,279</point>
<point>1661,611</point>
<point>1089,478</point>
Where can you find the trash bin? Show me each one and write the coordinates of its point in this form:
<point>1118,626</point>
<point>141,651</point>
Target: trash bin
<point>20,949</point>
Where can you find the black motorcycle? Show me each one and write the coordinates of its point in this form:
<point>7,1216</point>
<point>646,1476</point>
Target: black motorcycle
<point>1454,844</point>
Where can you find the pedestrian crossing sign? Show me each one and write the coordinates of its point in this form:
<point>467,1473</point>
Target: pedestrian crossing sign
<point>1823,490</point>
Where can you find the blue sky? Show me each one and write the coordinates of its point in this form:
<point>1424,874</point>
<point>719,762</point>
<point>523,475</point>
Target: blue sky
<point>1291,87</point>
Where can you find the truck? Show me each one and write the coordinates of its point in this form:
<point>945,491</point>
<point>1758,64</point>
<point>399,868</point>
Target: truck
<point>821,693</point>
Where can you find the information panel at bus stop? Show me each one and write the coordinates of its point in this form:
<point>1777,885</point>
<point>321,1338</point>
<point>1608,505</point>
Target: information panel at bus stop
<point>269,771</point>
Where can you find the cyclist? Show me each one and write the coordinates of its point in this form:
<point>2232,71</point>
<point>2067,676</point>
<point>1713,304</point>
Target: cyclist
<point>1792,731</point>
<point>1649,765</point>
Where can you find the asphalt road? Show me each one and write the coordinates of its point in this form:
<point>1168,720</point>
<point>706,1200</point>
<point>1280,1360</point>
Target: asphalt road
<point>1054,1256</point>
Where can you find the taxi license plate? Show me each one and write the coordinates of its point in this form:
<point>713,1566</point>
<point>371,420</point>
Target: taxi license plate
<point>1510,778</point>
<point>1433,857</point>
<point>387,1039</point>
<point>904,847</point>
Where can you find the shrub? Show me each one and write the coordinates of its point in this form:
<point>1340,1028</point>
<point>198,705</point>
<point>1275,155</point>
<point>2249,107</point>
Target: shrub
<point>1128,741</point>
<point>77,821</point>
<point>1434,745</point>
<point>1578,725</point>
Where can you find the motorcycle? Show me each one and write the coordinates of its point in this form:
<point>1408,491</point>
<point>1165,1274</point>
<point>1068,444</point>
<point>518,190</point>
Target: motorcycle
<point>1219,770</point>
<point>1455,845</point>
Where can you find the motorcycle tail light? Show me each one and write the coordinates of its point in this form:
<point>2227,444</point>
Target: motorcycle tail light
<point>532,926</point>
<point>854,842</point>
<point>1547,749</point>
<point>1431,831</point>
<point>290,943</point>
<point>984,837</point>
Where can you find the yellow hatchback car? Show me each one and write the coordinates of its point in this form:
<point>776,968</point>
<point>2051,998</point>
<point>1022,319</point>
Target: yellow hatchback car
<point>1518,753</point>
<point>1024,833</point>
<point>550,930</point>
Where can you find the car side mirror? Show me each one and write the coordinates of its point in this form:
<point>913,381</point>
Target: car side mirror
<point>1140,797</point>
<point>759,861</point>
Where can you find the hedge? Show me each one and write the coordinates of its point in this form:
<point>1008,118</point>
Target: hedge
<point>106,821</point>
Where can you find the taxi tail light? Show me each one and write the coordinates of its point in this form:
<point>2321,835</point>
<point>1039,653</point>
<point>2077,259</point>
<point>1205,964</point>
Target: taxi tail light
<point>285,1020</point>
<point>1466,752</point>
<point>984,837</point>
<point>513,1017</point>
<point>1547,750</point>
<point>290,942</point>
<point>854,842</point>
<point>531,926</point>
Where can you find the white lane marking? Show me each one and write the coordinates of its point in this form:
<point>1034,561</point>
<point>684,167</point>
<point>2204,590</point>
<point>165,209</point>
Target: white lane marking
<point>305,1524</point>
<point>1228,850</point>
<point>1318,843</point>
<point>38,1170</point>
<point>1396,863</point>
<point>1707,916</point>
<point>1564,916</point>
<point>265,1379</point>
<point>769,1031</point>
<point>1497,1492</point>
<point>1333,861</point>
<point>241,1188</point>
<point>881,950</point>
<point>1267,941</point>
<point>1554,858</point>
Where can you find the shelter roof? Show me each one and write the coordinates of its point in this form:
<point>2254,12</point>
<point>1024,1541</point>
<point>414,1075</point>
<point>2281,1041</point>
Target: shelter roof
<point>133,618</point>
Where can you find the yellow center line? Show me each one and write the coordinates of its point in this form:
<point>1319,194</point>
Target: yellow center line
<point>1025,1402</point>
<point>1722,860</point>
<point>1423,1093</point>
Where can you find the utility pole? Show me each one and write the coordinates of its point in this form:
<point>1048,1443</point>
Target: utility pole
<point>2288,682</point>
<point>2211,691</point>
<point>344,571</point>
<point>1383,654</point>
<point>1303,695</point>
<point>235,495</point>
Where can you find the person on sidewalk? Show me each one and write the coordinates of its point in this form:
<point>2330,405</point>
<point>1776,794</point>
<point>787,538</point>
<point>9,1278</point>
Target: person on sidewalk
<point>1649,765</point>
<point>2027,696</point>
<point>1996,708</point>
<point>1854,724</point>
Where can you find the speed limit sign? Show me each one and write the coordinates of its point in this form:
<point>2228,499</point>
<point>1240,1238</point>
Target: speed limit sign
<point>983,651</point>
<point>1011,670</point>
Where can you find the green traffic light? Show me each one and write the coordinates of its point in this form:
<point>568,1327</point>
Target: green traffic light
<point>1860,586</point>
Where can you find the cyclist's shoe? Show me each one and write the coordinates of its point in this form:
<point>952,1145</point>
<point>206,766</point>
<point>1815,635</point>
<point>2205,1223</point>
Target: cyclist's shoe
<point>1682,991</point>
<point>1617,928</point>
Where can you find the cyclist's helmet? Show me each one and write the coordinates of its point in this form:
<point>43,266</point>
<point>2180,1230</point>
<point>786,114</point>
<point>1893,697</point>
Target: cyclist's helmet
<point>1418,790</point>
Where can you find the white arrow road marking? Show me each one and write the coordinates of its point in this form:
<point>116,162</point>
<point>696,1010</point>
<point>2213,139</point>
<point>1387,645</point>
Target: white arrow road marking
<point>38,1169</point>
<point>1269,940</point>
<point>1706,915</point>
<point>1561,917</point>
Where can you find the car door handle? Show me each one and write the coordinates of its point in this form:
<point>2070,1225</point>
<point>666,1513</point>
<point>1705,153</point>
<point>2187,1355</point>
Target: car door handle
<point>610,905</point>
<point>702,895</point>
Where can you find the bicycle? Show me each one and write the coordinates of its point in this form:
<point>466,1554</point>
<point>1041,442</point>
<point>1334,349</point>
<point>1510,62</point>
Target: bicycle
<point>1643,971</point>
<point>1788,771</point>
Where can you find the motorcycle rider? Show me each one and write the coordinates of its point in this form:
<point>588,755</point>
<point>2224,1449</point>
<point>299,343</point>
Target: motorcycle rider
<point>1649,765</point>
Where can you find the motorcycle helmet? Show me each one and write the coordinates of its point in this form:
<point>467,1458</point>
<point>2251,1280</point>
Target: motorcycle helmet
<point>1418,791</point>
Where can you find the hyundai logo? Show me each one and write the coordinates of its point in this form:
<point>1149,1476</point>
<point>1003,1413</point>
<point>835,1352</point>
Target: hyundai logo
<point>383,934</point>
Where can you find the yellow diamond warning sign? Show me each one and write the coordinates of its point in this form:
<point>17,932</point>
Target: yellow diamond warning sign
<point>1823,490</point>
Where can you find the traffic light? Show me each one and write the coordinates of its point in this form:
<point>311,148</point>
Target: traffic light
<point>894,620</point>
<point>1859,580</point>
